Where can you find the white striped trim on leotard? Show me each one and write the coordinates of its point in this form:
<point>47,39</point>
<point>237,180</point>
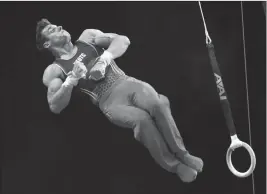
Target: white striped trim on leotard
<point>93,95</point>
<point>116,69</point>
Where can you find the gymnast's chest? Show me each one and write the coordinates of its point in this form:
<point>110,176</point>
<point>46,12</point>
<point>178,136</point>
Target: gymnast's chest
<point>86,53</point>
<point>87,58</point>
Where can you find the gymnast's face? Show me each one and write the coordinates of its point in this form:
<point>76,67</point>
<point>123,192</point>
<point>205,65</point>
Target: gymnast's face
<point>56,36</point>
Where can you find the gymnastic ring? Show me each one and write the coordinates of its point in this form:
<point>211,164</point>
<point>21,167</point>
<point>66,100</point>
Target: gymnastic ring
<point>236,143</point>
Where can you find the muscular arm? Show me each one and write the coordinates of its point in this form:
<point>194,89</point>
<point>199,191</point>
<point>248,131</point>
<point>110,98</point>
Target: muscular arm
<point>114,43</point>
<point>58,96</point>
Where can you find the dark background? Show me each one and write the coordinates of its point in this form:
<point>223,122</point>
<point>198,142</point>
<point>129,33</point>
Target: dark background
<point>79,151</point>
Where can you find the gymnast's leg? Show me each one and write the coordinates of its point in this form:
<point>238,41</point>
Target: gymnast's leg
<point>146,98</point>
<point>146,133</point>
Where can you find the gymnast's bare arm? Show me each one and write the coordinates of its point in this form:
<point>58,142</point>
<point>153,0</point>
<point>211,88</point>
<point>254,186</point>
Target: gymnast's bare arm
<point>114,43</point>
<point>58,96</point>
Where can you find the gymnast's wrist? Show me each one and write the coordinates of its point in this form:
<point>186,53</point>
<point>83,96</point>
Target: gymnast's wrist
<point>70,81</point>
<point>107,56</point>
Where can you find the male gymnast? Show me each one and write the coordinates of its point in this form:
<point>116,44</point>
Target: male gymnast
<point>88,65</point>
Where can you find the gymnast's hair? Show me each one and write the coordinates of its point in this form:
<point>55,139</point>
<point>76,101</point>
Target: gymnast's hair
<point>40,39</point>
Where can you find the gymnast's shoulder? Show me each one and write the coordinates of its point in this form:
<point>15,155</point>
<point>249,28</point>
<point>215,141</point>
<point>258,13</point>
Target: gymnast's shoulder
<point>51,72</point>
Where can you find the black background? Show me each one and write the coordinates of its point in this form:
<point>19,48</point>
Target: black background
<point>79,151</point>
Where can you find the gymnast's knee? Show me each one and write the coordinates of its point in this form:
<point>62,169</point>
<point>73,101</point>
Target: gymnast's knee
<point>164,100</point>
<point>161,103</point>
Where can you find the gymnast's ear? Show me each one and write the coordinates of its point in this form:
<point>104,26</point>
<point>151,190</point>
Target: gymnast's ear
<point>46,44</point>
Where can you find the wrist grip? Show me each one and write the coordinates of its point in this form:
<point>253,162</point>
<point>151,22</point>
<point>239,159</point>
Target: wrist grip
<point>70,81</point>
<point>107,56</point>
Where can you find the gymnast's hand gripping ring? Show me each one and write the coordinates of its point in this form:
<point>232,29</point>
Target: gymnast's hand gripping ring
<point>236,143</point>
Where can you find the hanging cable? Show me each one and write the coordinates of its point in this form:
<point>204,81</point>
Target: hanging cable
<point>208,39</point>
<point>247,93</point>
